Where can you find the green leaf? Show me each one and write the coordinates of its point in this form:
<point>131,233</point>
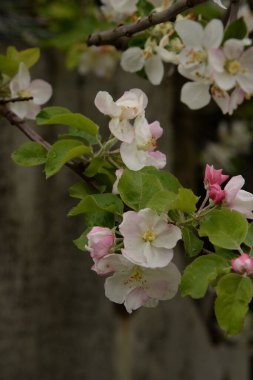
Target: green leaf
<point>224,228</point>
<point>9,63</point>
<point>139,189</point>
<point>234,292</point>
<point>53,115</point>
<point>99,202</point>
<point>200,273</point>
<point>29,56</point>
<point>249,238</point>
<point>162,200</point>
<point>193,245</point>
<point>79,190</point>
<point>185,201</point>
<point>237,29</point>
<point>30,154</point>
<point>94,167</point>
<point>61,152</point>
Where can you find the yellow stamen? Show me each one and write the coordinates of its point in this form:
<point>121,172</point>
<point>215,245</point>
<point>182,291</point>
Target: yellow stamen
<point>149,235</point>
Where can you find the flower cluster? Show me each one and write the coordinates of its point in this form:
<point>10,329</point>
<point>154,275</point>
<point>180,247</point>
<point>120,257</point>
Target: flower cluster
<point>221,71</point>
<point>231,196</point>
<point>138,263</point>
<point>129,125</point>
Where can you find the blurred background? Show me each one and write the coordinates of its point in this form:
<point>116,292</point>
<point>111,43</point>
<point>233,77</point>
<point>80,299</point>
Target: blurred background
<point>55,322</point>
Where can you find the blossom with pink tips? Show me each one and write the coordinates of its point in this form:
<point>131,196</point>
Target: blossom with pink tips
<point>22,86</point>
<point>136,286</point>
<point>141,151</point>
<point>148,238</point>
<point>100,242</point>
<point>237,199</point>
<point>214,176</point>
<point>130,105</point>
<point>228,103</point>
<point>243,264</point>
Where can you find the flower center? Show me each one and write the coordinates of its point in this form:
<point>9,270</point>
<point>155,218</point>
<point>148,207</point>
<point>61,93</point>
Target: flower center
<point>233,66</point>
<point>197,56</point>
<point>149,235</point>
<point>24,93</point>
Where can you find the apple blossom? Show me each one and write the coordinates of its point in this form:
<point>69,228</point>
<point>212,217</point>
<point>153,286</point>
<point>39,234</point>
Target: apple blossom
<point>100,241</point>
<point>136,286</point>
<point>232,65</point>
<point>141,151</point>
<point>148,238</point>
<point>243,264</point>
<point>228,103</point>
<point>214,176</point>
<point>101,60</point>
<point>216,193</point>
<point>22,86</point>
<point>237,199</point>
<point>130,105</point>
<point>118,9</point>
<point>193,59</point>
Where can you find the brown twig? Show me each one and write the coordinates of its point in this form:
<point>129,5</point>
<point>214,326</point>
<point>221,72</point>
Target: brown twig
<point>14,100</point>
<point>110,37</point>
<point>34,136</point>
<point>232,12</point>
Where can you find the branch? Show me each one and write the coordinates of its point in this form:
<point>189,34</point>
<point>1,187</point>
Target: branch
<point>110,36</point>
<point>232,12</point>
<point>14,100</point>
<point>34,136</point>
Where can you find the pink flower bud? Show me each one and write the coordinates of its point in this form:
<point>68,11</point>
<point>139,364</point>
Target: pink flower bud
<point>100,241</point>
<point>216,193</point>
<point>243,264</point>
<point>214,176</point>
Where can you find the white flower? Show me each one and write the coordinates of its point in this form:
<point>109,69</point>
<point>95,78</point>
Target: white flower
<point>101,60</point>
<point>118,9</point>
<point>22,86</point>
<point>247,14</point>
<point>148,238</point>
<point>135,286</point>
<point>141,151</point>
<point>232,65</point>
<point>194,59</point>
<point>131,104</point>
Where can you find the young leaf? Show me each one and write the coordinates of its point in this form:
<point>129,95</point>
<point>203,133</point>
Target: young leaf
<point>79,190</point>
<point>162,200</point>
<point>139,189</point>
<point>224,228</point>
<point>186,200</point>
<point>249,238</point>
<point>237,29</point>
<point>193,245</point>
<point>61,152</point>
<point>98,202</point>
<point>234,292</point>
<point>200,273</point>
<point>52,115</point>
<point>30,154</point>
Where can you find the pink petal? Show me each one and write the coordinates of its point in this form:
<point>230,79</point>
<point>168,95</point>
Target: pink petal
<point>135,299</point>
<point>232,187</point>
<point>156,129</point>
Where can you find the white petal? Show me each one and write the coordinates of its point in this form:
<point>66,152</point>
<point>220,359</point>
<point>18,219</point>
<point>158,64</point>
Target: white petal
<point>195,95</point>
<point>41,91</point>
<point>156,159</point>
<point>166,55</point>
<point>32,110</point>
<point>135,299</point>
<point>216,59</point>
<point>133,158</point>
<point>225,80</point>
<point>19,108</point>
<point>221,98</point>
<point>190,32</point>
<point>218,2</point>
<point>233,48</point>
<point>105,104</point>
<point>154,69</point>
<point>21,81</point>
<point>213,34</point>
<point>132,60</point>
<point>122,129</point>
<point>168,237</point>
<point>117,287</point>
<point>232,187</point>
